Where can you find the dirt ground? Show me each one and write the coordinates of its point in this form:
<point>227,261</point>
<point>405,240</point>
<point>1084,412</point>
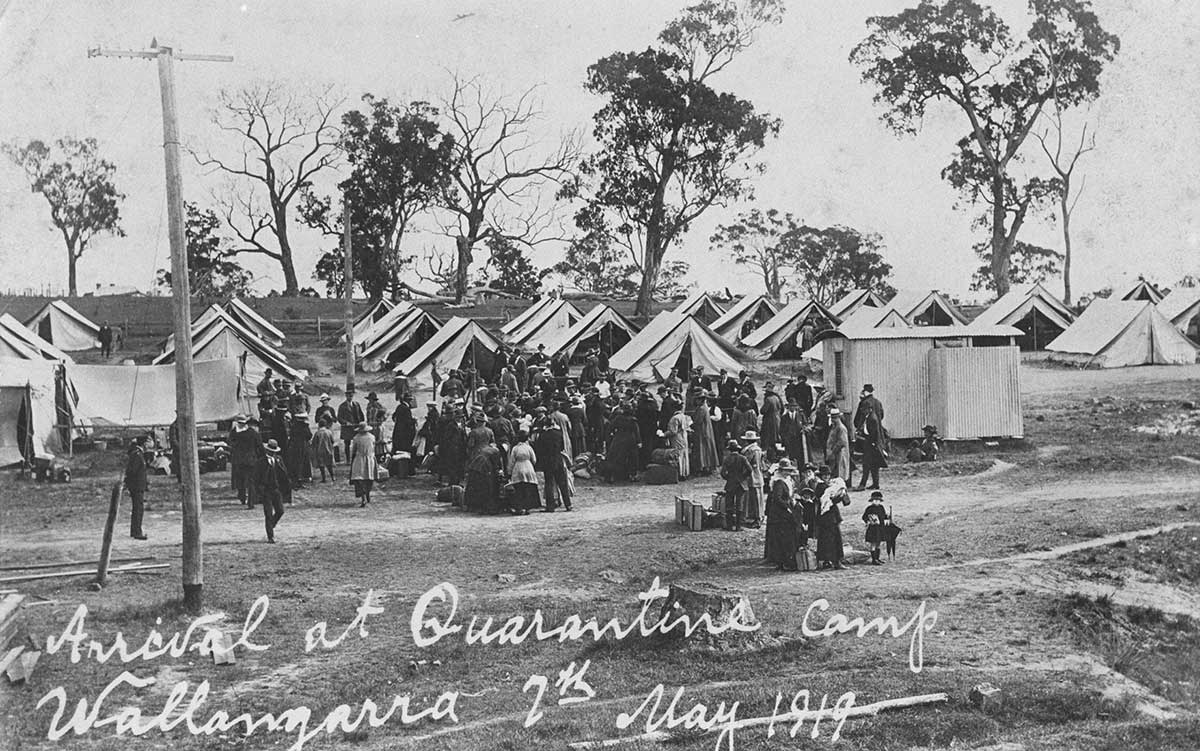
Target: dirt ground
<point>1062,568</point>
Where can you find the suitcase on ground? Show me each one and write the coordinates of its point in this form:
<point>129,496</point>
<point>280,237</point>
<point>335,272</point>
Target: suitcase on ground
<point>661,474</point>
<point>803,560</point>
<point>450,494</point>
<point>664,456</point>
<point>695,520</point>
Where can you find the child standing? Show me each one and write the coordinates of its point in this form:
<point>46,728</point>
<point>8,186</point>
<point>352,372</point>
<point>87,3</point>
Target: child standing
<point>875,516</point>
<point>322,448</point>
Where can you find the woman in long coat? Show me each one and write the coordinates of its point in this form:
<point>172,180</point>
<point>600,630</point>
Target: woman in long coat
<point>758,465</point>
<point>523,476</point>
<point>707,458</point>
<point>837,446</point>
<point>772,406</point>
<point>782,538</point>
<point>743,419</point>
<point>299,458</point>
<point>322,448</point>
<point>484,470</point>
<point>428,434</point>
<point>404,430</point>
<point>364,468</point>
<point>829,520</point>
<point>677,438</point>
<point>624,439</point>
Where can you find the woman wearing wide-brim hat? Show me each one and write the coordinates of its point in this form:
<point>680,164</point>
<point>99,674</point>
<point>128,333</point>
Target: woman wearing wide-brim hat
<point>783,539</point>
<point>364,468</point>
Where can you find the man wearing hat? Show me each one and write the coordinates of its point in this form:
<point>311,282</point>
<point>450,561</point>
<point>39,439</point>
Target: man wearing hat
<point>266,393</point>
<point>349,415</point>
<point>737,473</point>
<point>137,483</point>
<point>274,487</point>
<point>792,427</point>
<point>376,415</point>
<point>245,449</point>
<point>772,407</point>
<point>299,450</point>
<point>837,446</point>
<point>868,423</point>
<point>551,459</point>
<point>300,402</point>
<point>325,411</point>
<point>758,466</point>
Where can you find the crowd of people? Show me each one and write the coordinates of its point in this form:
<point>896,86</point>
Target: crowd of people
<point>514,441</point>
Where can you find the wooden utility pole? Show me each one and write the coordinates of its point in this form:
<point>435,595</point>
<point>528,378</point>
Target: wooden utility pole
<point>185,413</point>
<point>348,285</point>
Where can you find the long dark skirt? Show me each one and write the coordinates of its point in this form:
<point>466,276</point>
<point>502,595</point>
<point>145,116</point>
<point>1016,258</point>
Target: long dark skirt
<point>829,538</point>
<point>623,456</point>
<point>782,541</point>
<point>482,493</point>
<point>362,487</point>
<point>525,496</point>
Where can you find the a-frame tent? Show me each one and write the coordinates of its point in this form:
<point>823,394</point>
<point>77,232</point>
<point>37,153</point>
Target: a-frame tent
<point>1182,309</point>
<point>547,324</point>
<point>777,338</point>
<point>1034,310</point>
<point>259,326</point>
<point>460,344</point>
<point>849,303</point>
<point>926,308</point>
<point>747,315</point>
<point>673,340</point>
<point>403,338</point>
<point>602,327</point>
<point>1120,333</point>
<point>1140,289</point>
<point>64,327</point>
<point>18,342</point>
<point>525,315</point>
<point>222,337</point>
<point>35,399</point>
<point>380,328</point>
<point>702,306</point>
<point>368,318</point>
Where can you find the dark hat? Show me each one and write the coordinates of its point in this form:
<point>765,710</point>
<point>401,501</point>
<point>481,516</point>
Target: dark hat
<point>876,495</point>
<point>732,445</point>
<point>272,446</point>
<point>372,397</point>
<point>868,388</point>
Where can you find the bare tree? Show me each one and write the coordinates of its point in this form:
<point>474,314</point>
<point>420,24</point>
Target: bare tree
<point>1064,158</point>
<point>501,175</point>
<point>286,139</point>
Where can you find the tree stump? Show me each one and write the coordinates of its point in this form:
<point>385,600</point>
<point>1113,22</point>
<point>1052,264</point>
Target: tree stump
<point>722,609</point>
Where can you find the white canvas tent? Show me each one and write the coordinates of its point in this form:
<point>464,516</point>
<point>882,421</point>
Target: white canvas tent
<point>21,343</point>
<point>673,340</point>
<point>30,394</point>
<point>1182,309</point>
<point>64,327</point>
<point>546,324</point>
<point>777,338</point>
<point>460,344</point>
<point>855,299</point>
<point>702,306</point>
<point>1033,310</point>
<point>525,315</point>
<point>259,326</point>
<point>1120,333</point>
<point>1140,289</point>
<point>926,308</point>
<point>223,337</point>
<point>749,313</point>
<point>144,395</point>
<point>400,340</point>
<point>369,318</point>
<point>600,327</point>
<point>382,326</point>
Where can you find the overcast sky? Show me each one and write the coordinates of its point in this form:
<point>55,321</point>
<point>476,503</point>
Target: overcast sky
<point>832,163</point>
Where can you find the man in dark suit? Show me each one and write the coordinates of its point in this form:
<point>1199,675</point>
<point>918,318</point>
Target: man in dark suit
<point>137,482</point>
<point>549,449</point>
<point>791,433</point>
<point>274,487</point>
<point>349,416</point>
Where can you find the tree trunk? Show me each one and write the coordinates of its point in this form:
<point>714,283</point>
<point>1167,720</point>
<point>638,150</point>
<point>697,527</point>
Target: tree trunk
<point>650,266</point>
<point>462,271</point>
<point>1066,222</point>
<point>290,287</point>
<point>72,291</point>
<point>1000,249</point>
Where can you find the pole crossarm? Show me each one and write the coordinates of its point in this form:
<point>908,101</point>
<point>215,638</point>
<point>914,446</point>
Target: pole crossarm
<point>155,52</point>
